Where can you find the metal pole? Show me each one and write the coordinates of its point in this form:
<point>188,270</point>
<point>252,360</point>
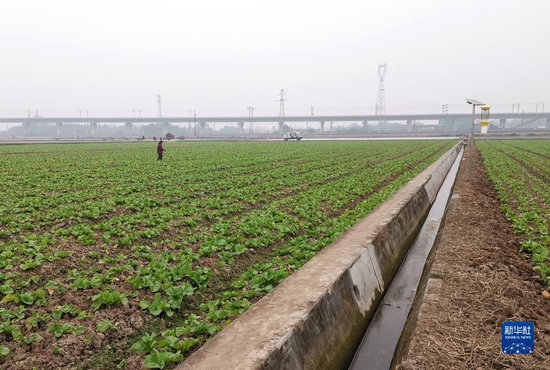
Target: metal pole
<point>195,122</point>
<point>471,142</point>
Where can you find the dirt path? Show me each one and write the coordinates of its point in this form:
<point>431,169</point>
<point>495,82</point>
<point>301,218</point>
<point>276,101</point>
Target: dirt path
<point>479,280</point>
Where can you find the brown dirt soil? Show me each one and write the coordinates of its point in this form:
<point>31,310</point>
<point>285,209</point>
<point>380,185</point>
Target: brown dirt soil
<point>479,280</point>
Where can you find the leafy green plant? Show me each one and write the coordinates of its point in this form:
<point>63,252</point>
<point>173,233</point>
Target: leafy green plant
<point>70,310</point>
<point>177,293</point>
<point>36,319</point>
<point>146,344</point>
<point>108,297</point>
<point>159,360</point>
<point>106,325</point>
<point>11,330</point>
<point>16,313</point>
<point>4,351</point>
<point>59,330</point>
<point>157,306</point>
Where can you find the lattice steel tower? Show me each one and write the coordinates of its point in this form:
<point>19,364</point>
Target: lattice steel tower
<point>381,99</point>
<point>282,103</point>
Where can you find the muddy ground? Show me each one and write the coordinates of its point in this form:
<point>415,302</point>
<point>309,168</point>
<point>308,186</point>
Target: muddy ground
<point>478,281</point>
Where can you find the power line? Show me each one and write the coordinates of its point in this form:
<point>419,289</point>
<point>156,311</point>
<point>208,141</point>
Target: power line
<point>332,88</point>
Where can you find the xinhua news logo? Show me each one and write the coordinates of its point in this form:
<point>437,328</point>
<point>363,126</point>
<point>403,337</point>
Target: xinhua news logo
<point>518,338</point>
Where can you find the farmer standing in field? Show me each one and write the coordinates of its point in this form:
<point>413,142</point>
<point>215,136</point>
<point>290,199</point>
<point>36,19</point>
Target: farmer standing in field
<point>160,150</point>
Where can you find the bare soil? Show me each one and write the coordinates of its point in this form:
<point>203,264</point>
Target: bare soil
<point>479,280</point>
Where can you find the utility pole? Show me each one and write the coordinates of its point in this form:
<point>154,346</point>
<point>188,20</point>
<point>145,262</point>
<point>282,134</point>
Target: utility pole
<point>195,122</point>
<point>250,115</point>
<point>88,123</point>
<point>134,113</point>
<point>28,113</point>
<point>190,119</point>
<point>80,113</point>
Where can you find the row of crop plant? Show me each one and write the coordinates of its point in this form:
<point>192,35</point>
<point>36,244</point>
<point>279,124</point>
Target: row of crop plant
<point>520,173</point>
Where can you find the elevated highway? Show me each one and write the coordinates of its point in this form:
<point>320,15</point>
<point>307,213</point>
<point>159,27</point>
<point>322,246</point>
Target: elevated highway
<point>325,118</point>
<point>456,121</point>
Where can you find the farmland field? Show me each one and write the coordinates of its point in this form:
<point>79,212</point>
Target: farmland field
<point>521,176</point>
<point>112,259</point>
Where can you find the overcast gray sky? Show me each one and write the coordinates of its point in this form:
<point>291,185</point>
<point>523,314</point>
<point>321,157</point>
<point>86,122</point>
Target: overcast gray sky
<point>220,56</point>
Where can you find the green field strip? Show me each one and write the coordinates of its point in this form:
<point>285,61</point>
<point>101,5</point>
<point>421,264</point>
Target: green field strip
<point>524,198</point>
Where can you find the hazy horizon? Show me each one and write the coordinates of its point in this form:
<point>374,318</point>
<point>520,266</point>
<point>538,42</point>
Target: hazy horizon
<point>217,57</point>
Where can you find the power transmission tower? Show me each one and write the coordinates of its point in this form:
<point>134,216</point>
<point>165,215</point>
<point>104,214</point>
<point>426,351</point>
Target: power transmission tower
<point>282,103</point>
<point>381,99</point>
<point>445,109</point>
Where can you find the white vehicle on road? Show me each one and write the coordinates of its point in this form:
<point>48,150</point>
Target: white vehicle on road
<point>292,135</point>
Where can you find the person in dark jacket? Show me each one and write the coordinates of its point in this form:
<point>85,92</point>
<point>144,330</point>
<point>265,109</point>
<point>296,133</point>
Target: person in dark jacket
<point>160,150</point>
